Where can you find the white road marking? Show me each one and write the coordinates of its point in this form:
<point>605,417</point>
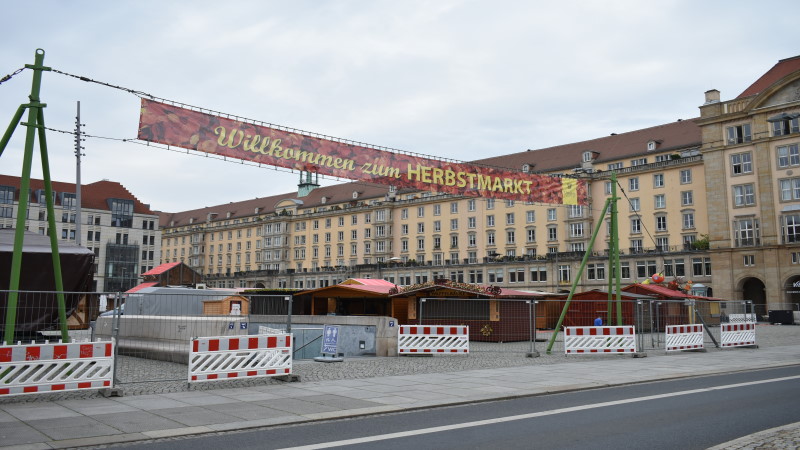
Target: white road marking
<point>478,423</point>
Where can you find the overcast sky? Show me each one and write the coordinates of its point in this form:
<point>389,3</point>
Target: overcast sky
<point>456,79</point>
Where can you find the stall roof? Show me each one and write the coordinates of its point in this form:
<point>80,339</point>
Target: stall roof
<point>662,291</point>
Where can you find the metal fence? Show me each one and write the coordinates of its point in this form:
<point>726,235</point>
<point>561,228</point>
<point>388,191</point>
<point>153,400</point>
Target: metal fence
<point>527,326</point>
<point>152,330</point>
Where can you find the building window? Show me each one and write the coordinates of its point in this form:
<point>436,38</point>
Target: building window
<point>538,274</point>
<point>662,243</point>
<point>530,216</point>
<point>744,195</point>
<point>564,273</point>
<point>633,184</point>
<point>511,237</point>
<point>420,211</point>
<point>551,215</point>
<point>741,163</point>
<point>471,222</point>
<point>121,213</point>
<point>490,220</point>
<point>749,260</point>
<point>489,203</point>
<point>510,219</point>
<point>634,204</point>
<point>576,230</point>
<point>531,235</point>
<point>574,211</point>
<point>636,225</point>
<point>661,223</point>
<point>454,208</point>
<point>686,176</point>
<point>688,221</point>
<point>639,162</point>
<point>739,134</point>
<point>471,204</point>
<point>472,240</point>
<point>636,246</point>
<point>791,228</point>
<point>596,272</point>
<point>746,232</point>
<point>658,180</point>
<point>454,224</point>
<point>437,210</point>
<point>788,155</point>
<point>420,228</point>
<point>790,189</point>
<point>660,201</point>
<point>552,233</point>
<point>687,198</point>
<point>437,226</point>
<point>615,166</point>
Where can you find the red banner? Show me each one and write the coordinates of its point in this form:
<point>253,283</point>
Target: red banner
<point>181,127</point>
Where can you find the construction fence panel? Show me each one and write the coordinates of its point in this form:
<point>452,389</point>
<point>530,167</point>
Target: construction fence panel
<point>600,339</point>
<point>226,357</point>
<point>50,367</point>
<point>417,339</point>
<point>684,337</point>
<point>738,334</point>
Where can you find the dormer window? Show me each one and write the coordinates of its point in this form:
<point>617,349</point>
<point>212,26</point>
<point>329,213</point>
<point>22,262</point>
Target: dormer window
<point>784,124</point>
<point>588,156</point>
<point>652,145</point>
<point>526,168</point>
<point>323,200</point>
<point>355,195</point>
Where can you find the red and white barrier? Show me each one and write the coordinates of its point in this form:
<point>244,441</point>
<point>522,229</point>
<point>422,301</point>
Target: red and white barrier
<point>416,339</point>
<point>36,368</point>
<point>738,334</point>
<point>684,337</point>
<point>619,339</point>
<point>228,357</point>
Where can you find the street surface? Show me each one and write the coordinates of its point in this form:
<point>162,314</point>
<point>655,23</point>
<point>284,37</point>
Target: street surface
<point>694,413</point>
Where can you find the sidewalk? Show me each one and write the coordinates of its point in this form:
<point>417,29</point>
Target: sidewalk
<point>98,421</point>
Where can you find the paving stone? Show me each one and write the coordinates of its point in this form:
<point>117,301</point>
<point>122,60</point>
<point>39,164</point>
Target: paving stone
<point>72,427</point>
<point>137,421</point>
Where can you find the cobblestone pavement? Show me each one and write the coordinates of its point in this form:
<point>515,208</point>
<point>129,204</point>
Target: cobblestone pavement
<point>780,438</point>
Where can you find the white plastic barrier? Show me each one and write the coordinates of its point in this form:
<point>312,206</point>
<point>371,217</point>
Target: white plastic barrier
<point>609,339</point>
<point>36,368</point>
<point>227,357</point>
<point>742,318</point>
<point>684,337</point>
<point>738,334</point>
<point>416,339</point>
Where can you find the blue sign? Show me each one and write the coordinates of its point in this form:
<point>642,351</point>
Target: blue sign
<point>230,326</point>
<point>330,339</point>
<point>242,325</point>
<point>391,323</point>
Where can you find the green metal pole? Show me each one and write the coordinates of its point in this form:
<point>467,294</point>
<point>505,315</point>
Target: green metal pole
<point>24,195</point>
<point>51,223</point>
<point>578,276</point>
<point>10,130</point>
<point>615,245</point>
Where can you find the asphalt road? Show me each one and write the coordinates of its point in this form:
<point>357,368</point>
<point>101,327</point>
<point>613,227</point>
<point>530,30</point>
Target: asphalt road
<point>693,413</point>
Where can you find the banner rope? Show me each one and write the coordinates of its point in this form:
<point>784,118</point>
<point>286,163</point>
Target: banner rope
<point>141,94</point>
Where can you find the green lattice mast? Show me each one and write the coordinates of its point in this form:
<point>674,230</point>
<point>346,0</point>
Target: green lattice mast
<point>35,123</point>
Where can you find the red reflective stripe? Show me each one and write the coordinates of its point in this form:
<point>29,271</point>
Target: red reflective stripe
<point>233,344</point>
<point>212,376</point>
<point>272,342</point>
<point>60,352</point>
<point>439,330</point>
<point>107,383</point>
<point>85,385</point>
<point>592,331</point>
<point>4,391</point>
<point>233,375</point>
<point>426,330</point>
<point>454,330</point>
<point>108,349</point>
<point>194,377</point>
<point>30,389</point>
<point>87,351</point>
<point>252,343</point>
<point>58,387</point>
<point>32,353</point>
<point>5,354</point>
<point>195,346</point>
<point>252,373</point>
<point>271,372</point>
<point>213,345</point>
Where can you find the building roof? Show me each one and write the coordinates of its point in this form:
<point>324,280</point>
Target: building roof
<point>379,290</point>
<point>141,286</point>
<point>93,195</point>
<point>158,270</point>
<point>678,135</point>
<point>783,68</point>
<point>367,282</point>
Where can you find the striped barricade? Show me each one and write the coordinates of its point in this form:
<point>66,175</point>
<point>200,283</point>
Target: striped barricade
<point>416,339</point>
<point>228,357</point>
<point>684,337</point>
<point>619,339</point>
<point>738,334</point>
<point>38,368</point>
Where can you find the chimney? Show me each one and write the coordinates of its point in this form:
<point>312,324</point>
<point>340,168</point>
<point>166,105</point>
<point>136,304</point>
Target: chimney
<point>712,96</point>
